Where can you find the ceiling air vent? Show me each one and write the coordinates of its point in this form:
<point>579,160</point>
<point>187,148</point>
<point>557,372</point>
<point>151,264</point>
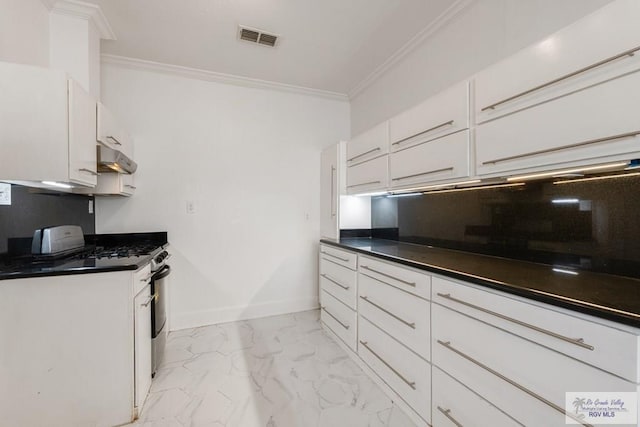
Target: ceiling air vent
<point>257,36</point>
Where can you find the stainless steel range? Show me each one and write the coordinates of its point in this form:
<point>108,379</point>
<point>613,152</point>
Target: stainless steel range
<point>159,289</point>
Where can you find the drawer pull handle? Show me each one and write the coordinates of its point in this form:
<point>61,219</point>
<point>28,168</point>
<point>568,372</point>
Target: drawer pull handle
<point>577,341</point>
<point>389,276</point>
<point>364,154</point>
<point>628,53</point>
<point>335,256</point>
<point>346,288</point>
<point>114,139</point>
<point>335,318</point>
<point>148,278</point>
<point>448,346</point>
<point>411,384</point>
<point>411,325</point>
<point>564,147</point>
<point>133,187</point>
<point>364,183</point>
<point>94,173</point>
<point>151,298</point>
<point>400,178</point>
<point>449,123</point>
<point>447,413</point>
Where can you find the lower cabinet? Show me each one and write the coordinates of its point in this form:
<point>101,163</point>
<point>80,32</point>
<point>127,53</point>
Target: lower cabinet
<point>142,340</point>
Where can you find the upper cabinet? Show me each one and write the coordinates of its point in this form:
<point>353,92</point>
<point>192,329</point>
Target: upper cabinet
<point>440,115</point>
<point>47,128</point>
<point>368,145</point>
<point>367,168</point>
<point>111,133</point>
<point>568,101</point>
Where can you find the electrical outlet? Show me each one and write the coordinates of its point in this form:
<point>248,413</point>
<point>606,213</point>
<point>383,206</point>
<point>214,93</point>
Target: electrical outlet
<point>191,207</point>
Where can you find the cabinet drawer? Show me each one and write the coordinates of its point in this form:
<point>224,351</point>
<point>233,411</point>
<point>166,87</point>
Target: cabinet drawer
<point>339,256</point>
<point>551,67</point>
<point>405,278</point>
<point>522,378</point>
<point>454,403</point>
<point>548,137</point>
<point>339,318</point>
<point>441,159</point>
<point>368,145</point>
<point>401,369</point>
<point>400,314</point>
<point>440,115</point>
<point>368,176</point>
<point>141,278</point>
<point>607,348</point>
<point>339,281</point>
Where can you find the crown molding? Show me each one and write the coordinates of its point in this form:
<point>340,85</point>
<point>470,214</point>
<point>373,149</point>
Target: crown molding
<point>87,11</point>
<point>446,16</point>
<point>49,3</point>
<point>212,76</point>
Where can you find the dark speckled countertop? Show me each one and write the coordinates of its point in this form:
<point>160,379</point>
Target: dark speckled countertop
<point>607,296</point>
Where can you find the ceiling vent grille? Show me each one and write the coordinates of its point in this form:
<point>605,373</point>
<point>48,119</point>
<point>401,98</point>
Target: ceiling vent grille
<point>257,36</point>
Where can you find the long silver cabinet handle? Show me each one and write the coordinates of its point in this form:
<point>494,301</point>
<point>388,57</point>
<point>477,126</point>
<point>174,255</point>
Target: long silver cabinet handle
<point>133,187</point>
<point>449,123</point>
<point>151,298</point>
<point>373,150</point>
<point>576,341</point>
<point>564,147</point>
<point>94,173</point>
<point>335,256</point>
<point>422,173</point>
<point>447,413</point>
<point>364,183</point>
<point>335,318</point>
<point>409,324</point>
<point>346,288</point>
<point>535,395</point>
<point>388,275</point>
<point>628,53</point>
<point>114,139</point>
<point>333,202</point>
<point>411,384</point>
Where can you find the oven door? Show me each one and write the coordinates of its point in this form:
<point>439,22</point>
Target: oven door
<point>159,306</point>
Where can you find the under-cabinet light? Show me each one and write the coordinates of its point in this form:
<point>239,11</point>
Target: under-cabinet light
<point>562,270</point>
<point>376,193</point>
<point>57,184</point>
<point>403,195</point>
<point>565,201</point>
<point>431,187</point>
<point>486,187</point>
<point>566,171</point>
<point>597,178</point>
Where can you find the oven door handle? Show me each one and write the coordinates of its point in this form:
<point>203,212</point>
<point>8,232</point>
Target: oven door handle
<point>162,273</point>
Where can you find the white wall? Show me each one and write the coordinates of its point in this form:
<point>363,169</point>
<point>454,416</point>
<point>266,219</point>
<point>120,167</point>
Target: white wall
<point>484,33</point>
<point>24,32</point>
<point>250,160</point>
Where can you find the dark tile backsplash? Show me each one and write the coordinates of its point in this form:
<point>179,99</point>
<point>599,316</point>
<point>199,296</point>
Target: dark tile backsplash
<point>32,208</point>
<point>588,225</point>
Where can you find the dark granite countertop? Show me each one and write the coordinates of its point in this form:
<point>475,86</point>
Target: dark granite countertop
<point>23,265</point>
<point>607,296</point>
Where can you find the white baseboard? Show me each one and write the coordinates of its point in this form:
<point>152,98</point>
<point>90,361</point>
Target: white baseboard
<point>196,319</point>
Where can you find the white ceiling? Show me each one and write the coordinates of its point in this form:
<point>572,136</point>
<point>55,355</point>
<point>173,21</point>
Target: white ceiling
<point>330,45</point>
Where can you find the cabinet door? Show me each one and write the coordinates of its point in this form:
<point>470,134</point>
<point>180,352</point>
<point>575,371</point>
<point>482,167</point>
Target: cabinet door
<point>440,115</point>
<point>368,176</point>
<point>552,67</point>
<point>82,144</point>
<point>368,145</point>
<point>329,196</point>
<point>438,160</point>
<point>142,307</point>
<point>111,133</point>
<point>596,125</point>
<point>128,184</point>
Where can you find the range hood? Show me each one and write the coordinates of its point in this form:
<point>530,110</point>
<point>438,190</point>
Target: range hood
<point>110,160</point>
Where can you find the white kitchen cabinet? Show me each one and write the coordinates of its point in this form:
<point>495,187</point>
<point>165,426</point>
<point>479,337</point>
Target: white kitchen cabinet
<point>330,175</point>
<point>341,319</point>
<point>47,128</point>
<point>369,176</point>
<point>440,115</point>
<point>569,60</point>
<point>142,337</point>
<point>368,145</point>
<point>111,184</point>
<point>339,281</point>
<point>111,133</point>
<point>592,126</point>
<point>438,160</point>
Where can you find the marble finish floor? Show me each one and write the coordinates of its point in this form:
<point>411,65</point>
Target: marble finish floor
<point>280,371</point>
